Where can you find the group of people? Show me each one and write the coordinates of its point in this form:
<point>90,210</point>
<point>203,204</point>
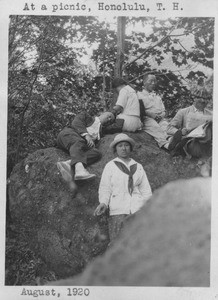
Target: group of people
<point>124,187</point>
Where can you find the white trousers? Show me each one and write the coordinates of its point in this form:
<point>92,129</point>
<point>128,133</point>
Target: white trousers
<point>131,123</point>
<point>157,130</point>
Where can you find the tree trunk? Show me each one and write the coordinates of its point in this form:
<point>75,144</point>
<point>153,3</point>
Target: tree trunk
<point>121,23</point>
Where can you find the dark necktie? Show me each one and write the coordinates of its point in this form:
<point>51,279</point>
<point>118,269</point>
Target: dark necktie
<point>130,172</point>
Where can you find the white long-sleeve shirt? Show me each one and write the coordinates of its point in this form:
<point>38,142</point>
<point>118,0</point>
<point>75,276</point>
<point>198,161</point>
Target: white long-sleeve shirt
<point>128,100</point>
<point>113,189</point>
<point>152,103</point>
<point>189,118</point>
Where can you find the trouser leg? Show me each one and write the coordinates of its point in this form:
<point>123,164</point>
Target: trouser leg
<point>93,155</point>
<point>131,123</point>
<point>66,138</point>
<point>154,129</point>
<point>77,147</point>
<point>80,152</point>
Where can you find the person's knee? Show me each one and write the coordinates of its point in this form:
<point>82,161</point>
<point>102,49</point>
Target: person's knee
<point>93,156</point>
<point>78,144</point>
<point>152,128</point>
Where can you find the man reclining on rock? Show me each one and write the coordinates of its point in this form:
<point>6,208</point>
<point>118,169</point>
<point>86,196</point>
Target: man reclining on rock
<point>191,127</point>
<point>79,141</point>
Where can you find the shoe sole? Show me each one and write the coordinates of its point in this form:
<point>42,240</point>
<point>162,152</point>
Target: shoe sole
<point>84,178</point>
<point>64,172</point>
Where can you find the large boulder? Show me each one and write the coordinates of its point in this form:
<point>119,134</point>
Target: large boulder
<point>167,243</point>
<point>61,228</point>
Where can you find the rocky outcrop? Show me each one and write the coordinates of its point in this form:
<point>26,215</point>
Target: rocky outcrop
<point>61,228</point>
<point>166,244</point>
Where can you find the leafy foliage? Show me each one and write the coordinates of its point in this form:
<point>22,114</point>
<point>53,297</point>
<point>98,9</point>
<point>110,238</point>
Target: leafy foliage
<point>48,83</point>
<point>180,43</point>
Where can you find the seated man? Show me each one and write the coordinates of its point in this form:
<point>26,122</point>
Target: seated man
<point>127,105</point>
<point>154,111</point>
<point>191,127</point>
<point>79,141</point>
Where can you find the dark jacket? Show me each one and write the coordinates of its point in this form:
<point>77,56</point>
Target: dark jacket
<point>81,122</point>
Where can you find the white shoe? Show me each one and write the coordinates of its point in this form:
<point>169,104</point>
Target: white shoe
<point>83,175</point>
<point>65,168</point>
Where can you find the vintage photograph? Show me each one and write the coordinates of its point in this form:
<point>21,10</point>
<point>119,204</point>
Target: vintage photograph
<point>109,151</point>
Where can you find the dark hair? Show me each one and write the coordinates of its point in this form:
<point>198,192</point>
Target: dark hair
<point>114,148</point>
<point>118,82</point>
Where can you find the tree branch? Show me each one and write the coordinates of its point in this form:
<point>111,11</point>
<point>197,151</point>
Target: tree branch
<point>157,74</point>
<point>151,47</point>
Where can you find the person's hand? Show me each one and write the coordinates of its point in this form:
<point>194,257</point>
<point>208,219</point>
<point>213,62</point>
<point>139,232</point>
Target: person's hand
<point>117,109</point>
<point>151,115</point>
<point>158,118</point>
<point>101,209</point>
<point>90,141</point>
<point>184,131</point>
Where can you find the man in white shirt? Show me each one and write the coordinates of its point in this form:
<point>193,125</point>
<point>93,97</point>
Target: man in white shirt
<point>192,126</point>
<point>153,123</point>
<point>127,105</point>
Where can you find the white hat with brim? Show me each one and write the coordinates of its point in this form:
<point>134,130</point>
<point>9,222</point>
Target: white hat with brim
<point>122,137</point>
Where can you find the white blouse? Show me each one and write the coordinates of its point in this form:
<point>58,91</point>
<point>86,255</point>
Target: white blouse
<point>113,189</point>
<point>152,102</point>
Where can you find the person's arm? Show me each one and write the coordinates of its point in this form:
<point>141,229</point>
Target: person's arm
<point>143,98</point>
<point>121,101</point>
<point>156,116</point>
<point>160,115</point>
<point>117,109</point>
<point>163,111</point>
<point>104,191</point>
<point>150,114</point>
<point>176,123</point>
<point>144,187</point>
<point>209,114</point>
<point>89,140</point>
<point>80,122</point>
